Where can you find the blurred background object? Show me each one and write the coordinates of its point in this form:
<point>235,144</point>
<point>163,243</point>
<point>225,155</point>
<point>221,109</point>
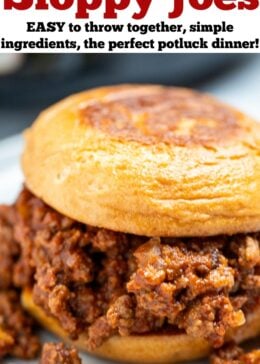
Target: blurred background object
<point>10,63</point>
<point>29,83</point>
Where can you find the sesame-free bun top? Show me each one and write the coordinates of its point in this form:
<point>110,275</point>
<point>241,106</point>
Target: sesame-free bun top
<point>147,160</point>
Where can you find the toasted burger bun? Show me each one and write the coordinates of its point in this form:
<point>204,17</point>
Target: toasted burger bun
<point>160,348</point>
<point>147,160</point>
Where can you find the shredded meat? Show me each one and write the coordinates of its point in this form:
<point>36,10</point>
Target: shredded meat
<point>232,354</point>
<point>17,336</point>
<point>59,354</point>
<point>104,282</point>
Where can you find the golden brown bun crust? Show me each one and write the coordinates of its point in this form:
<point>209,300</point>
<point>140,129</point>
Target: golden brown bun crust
<point>147,348</point>
<point>147,160</point>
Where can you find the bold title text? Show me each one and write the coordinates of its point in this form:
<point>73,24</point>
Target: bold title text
<point>84,8</point>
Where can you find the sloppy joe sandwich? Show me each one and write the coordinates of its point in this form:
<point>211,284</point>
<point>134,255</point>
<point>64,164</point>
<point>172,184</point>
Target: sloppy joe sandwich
<point>139,223</point>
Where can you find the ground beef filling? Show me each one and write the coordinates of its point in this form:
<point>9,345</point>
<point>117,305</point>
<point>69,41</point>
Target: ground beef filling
<point>230,353</point>
<point>108,283</point>
<point>17,328</point>
<point>9,248</point>
<point>17,334</point>
<point>59,354</point>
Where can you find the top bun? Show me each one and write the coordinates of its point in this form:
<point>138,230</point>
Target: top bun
<point>147,160</point>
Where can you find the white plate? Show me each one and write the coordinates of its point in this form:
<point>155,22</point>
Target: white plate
<point>11,180</point>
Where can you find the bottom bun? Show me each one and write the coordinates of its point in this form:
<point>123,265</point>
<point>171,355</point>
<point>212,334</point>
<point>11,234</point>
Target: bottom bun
<point>160,348</point>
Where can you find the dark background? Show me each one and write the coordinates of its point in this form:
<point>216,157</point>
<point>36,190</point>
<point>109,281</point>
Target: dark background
<point>31,82</point>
